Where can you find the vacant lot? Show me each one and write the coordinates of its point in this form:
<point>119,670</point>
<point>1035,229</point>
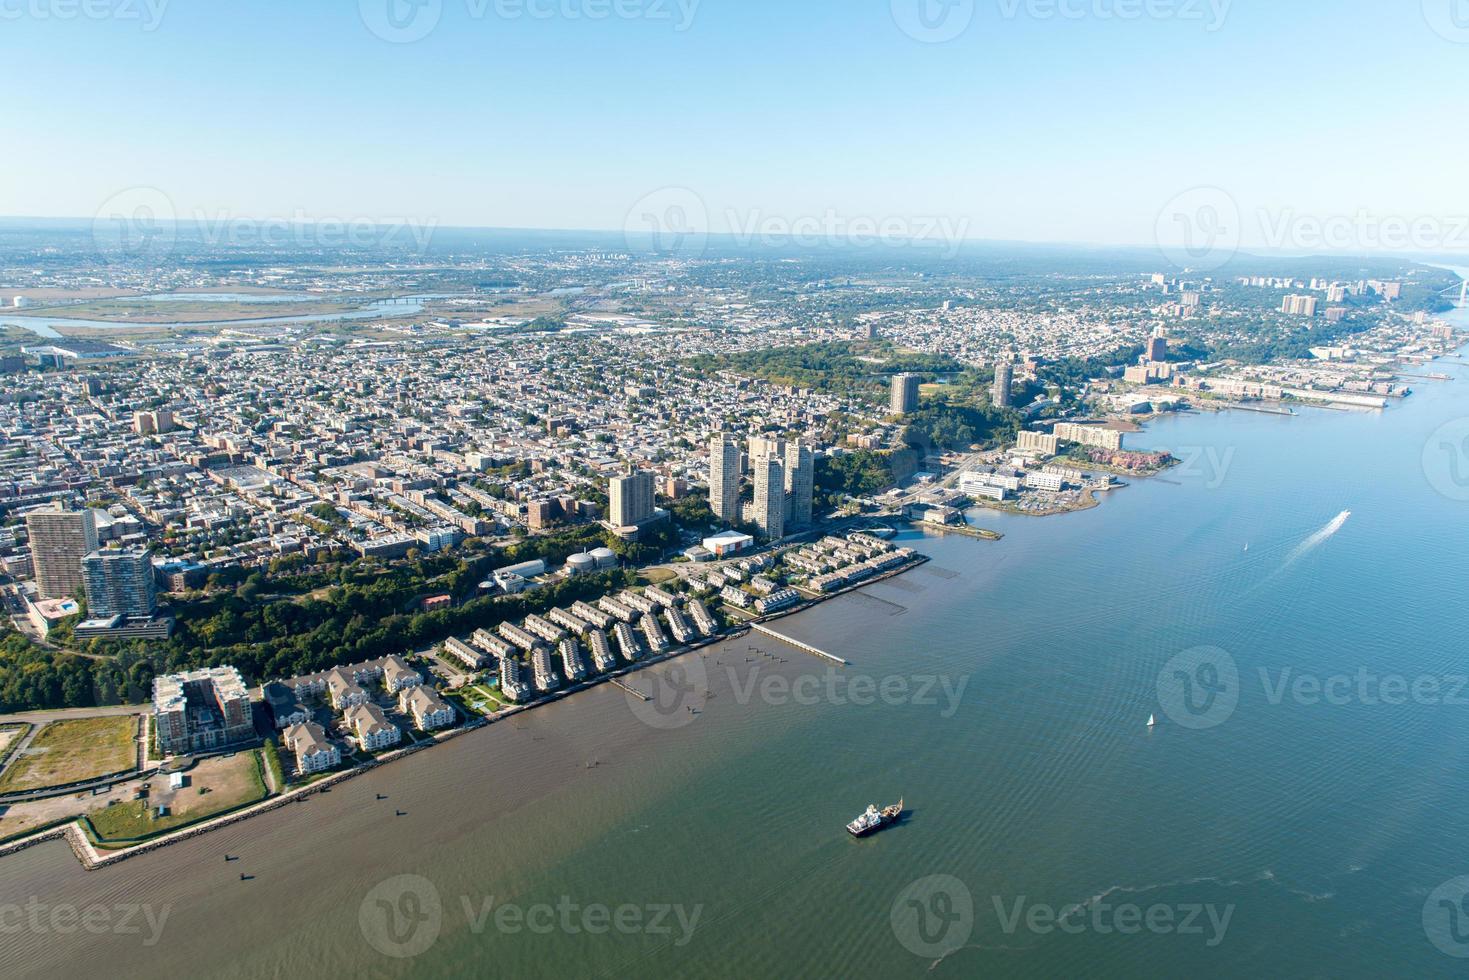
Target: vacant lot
<point>9,735</point>
<point>213,786</point>
<point>71,751</point>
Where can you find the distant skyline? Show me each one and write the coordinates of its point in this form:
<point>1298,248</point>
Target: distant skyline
<point>1308,127</point>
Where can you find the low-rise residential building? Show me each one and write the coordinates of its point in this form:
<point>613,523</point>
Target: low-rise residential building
<point>371,726</point>
<point>344,690</point>
<point>513,683</point>
<point>397,675</point>
<point>313,750</point>
<point>428,711</point>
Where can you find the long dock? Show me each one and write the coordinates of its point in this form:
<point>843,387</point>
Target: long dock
<point>631,690</point>
<point>808,648</point>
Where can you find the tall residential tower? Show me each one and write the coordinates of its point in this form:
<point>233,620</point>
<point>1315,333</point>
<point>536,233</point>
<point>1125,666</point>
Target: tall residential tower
<point>724,478</point>
<point>770,498</point>
<point>60,539</point>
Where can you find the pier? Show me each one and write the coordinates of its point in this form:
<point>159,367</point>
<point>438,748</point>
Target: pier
<point>967,530</point>
<point>631,690</point>
<point>808,648</point>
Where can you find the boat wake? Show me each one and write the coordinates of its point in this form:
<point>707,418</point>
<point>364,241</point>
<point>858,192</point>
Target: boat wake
<point>1318,539</point>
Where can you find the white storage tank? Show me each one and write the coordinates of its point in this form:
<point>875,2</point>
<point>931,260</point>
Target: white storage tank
<point>581,564</point>
<point>604,557</point>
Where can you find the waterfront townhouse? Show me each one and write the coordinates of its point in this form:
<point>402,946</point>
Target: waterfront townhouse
<point>613,607</point>
<point>371,726</point>
<point>571,623</point>
<point>513,683</point>
<point>679,626</point>
<point>541,628</point>
<point>573,661</point>
<point>428,711</point>
<point>544,670</point>
<point>313,750</point>
<point>492,644</point>
<point>627,642</point>
<point>657,640</point>
<point>776,601</point>
<point>518,636</point>
<point>702,619</point>
<point>591,614</point>
<point>397,675</point>
<point>641,603</point>
<point>736,597</point>
<point>663,597</point>
<point>762,584</point>
<point>602,657</point>
<point>466,654</point>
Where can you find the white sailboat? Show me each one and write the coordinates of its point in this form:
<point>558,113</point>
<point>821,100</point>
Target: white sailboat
<point>1152,721</point>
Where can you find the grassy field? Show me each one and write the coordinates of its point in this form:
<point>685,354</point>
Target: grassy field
<point>481,699</point>
<point>71,751</point>
<point>214,786</point>
<point>657,576</point>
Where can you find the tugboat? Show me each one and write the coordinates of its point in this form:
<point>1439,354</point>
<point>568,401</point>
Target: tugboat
<point>874,819</point>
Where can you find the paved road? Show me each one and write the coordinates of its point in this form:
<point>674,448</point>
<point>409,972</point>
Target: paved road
<point>62,714</point>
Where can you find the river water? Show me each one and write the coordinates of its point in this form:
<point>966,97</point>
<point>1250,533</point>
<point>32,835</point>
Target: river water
<point>1292,813</point>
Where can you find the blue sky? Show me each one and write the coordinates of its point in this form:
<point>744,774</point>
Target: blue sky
<point>1030,124</point>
